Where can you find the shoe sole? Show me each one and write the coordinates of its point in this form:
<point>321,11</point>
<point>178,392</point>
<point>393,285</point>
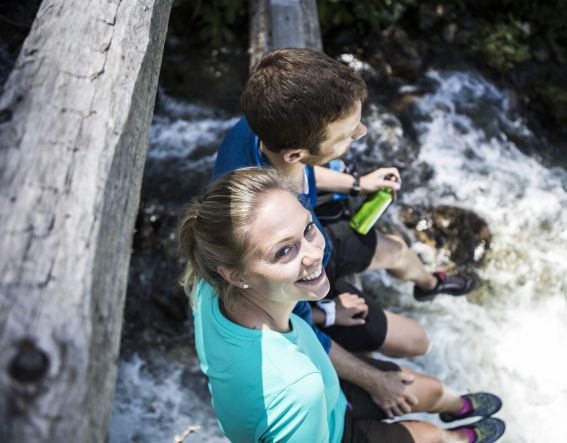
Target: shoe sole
<point>465,291</point>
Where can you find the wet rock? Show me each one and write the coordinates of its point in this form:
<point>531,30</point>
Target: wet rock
<point>346,37</point>
<point>401,53</point>
<point>416,176</point>
<point>428,16</point>
<point>449,32</point>
<point>541,52</point>
<point>156,306</point>
<point>19,14</point>
<point>466,31</point>
<point>554,100</point>
<point>461,235</point>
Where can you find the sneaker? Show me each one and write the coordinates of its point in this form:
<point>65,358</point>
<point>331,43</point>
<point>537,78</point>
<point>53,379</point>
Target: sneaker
<point>487,430</point>
<point>456,284</point>
<point>483,405</point>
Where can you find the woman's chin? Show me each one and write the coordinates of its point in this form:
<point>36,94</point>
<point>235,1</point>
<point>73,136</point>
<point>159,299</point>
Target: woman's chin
<point>319,293</point>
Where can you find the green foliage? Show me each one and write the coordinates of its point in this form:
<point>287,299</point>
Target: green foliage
<point>547,18</point>
<point>504,45</point>
<point>215,22</point>
<point>368,16</point>
<point>555,101</point>
<point>503,41</point>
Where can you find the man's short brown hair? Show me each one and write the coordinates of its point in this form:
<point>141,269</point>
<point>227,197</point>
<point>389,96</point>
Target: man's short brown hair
<point>293,94</point>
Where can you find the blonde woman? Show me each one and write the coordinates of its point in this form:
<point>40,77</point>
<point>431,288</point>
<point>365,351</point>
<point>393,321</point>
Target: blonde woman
<point>254,252</point>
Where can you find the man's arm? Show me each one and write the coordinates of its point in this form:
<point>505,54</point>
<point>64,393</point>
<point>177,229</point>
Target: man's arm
<point>333,181</point>
<point>387,389</point>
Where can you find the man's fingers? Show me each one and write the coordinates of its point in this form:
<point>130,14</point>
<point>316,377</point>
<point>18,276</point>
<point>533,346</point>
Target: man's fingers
<point>412,400</point>
<point>395,186</point>
<point>389,172</point>
<point>397,410</point>
<point>405,406</point>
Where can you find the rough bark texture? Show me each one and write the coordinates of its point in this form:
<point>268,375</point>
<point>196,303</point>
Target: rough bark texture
<point>283,24</point>
<point>74,120</point>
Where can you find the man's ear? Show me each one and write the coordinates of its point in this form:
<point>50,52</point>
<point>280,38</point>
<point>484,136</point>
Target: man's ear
<point>293,155</point>
<point>231,276</point>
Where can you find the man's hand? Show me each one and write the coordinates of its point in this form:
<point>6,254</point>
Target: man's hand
<point>381,178</point>
<point>388,389</point>
<point>347,307</point>
<point>389,392</point>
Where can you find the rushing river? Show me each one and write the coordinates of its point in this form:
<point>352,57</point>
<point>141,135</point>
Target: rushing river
<point>508,337</point>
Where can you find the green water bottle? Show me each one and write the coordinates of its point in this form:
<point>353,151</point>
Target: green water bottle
<point>371,210</point>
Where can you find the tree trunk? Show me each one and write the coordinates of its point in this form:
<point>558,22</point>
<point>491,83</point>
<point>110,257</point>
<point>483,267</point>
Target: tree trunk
<point>283,24</point>
<point>74,121</point>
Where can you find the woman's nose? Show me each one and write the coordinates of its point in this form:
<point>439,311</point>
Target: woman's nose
<point>313,252</point>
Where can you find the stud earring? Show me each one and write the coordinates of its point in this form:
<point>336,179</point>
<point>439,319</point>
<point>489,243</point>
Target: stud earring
<point>245,286</point>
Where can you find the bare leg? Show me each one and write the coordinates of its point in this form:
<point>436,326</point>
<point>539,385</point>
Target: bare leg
<point>433,395</point>
<point>405,337</point>
<point>393,255</point>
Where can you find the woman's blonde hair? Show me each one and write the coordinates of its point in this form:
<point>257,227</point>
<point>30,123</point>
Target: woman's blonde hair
<point>212,233</point>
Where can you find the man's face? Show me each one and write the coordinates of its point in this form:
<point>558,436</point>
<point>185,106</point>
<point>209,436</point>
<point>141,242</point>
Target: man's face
<point>340,134</point>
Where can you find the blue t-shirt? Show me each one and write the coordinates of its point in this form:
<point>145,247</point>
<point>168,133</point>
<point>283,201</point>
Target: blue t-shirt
<point>241,149</point>
<point>267,386</point>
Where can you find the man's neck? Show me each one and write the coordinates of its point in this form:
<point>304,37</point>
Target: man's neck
<point>293,171</point>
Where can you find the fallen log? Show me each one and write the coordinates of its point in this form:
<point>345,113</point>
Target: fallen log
<point>283,24</point>
<point>74,120</point>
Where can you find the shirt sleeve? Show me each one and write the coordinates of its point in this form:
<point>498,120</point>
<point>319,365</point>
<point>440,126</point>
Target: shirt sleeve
<point>298,414</point>
<point>303,310</point>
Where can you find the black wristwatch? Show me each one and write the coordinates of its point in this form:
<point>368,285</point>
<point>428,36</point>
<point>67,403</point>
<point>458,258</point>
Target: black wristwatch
<point>355,190</point>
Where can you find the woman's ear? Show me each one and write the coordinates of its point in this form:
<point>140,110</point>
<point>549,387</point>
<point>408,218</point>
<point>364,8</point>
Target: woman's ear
<point>231,276</point>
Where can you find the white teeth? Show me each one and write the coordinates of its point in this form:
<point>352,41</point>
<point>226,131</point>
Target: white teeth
<point>313,275</point>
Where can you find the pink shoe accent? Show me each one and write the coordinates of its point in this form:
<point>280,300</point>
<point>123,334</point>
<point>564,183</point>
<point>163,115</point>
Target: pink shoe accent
<point>467,407</point>
<point>471,435</point>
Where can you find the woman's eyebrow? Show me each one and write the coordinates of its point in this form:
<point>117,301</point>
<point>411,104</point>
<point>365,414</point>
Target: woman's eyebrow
<point>288,238</point>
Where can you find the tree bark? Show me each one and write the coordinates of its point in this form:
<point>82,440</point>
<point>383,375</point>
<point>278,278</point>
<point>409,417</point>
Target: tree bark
<point>283,24</point>
<point>74,121</point>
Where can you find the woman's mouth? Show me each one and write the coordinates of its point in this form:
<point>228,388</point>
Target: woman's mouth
<point>314,277</point>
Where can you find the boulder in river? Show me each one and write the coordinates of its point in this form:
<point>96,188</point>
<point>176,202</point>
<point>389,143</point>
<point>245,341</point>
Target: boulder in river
<point>462,235</point>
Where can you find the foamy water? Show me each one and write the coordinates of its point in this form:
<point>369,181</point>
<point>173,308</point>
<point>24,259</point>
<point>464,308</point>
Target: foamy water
<point>507,337</point>
<point>155,403</point>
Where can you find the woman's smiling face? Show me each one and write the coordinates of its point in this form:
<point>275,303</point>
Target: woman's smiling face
<point>286,258</point>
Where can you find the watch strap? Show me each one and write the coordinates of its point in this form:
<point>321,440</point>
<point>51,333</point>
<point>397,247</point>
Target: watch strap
<point>355,189</point>
<point>329,308</point>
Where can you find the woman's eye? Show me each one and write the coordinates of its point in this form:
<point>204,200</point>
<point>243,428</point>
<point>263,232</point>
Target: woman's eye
<point>283,252</point>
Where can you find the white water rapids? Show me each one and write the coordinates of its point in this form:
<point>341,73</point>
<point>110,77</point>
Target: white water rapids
<point>508,337</point>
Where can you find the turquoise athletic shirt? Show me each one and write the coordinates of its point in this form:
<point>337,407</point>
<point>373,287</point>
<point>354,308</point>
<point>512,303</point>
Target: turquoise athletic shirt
<point>267,386</point>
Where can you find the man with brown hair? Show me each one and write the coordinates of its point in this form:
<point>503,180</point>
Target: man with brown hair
<point>303,109</point>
